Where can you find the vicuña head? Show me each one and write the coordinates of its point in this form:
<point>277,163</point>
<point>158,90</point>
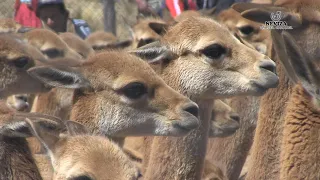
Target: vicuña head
<point>16,57</point>
<point>79,155</point>
<point>118,94</point>
<point>202,59</point>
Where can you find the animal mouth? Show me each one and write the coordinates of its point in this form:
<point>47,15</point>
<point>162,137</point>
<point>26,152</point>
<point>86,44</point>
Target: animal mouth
<point>185,125</point>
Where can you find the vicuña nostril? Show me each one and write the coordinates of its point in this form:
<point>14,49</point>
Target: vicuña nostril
<point>268,65</point>
<point>192,109</point>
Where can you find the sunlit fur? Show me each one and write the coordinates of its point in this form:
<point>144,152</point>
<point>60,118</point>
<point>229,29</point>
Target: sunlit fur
<point>113,114</point>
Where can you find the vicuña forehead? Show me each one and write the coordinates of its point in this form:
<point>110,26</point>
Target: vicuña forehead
<point>119,63</point>
<point>11,46</point>
<point>45,36</point>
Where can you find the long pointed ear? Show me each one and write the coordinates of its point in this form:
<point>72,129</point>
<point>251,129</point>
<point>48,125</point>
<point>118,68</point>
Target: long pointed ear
<point>279,47</point>
<point>59,77</point>
<point>75,128</point>
<point>262,13</point>
<point>306,71</point>
<point>159,28</point>
<point>18,127</point>
<point>47,135</point>
<point>155,53</point>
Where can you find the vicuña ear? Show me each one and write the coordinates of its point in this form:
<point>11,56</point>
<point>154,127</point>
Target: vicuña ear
<point>303,66</point>
<point>18,127</point>
<point>46,133</point>
<point>59,77</point>
<point>280,49</point>
<point>262,13</point>
<point>159,28</point>
<point>75,128</point>
<point>155,53</point>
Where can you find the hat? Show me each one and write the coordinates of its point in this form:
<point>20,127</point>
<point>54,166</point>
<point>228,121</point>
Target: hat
<point>48,2</point>
<point>44,2</point>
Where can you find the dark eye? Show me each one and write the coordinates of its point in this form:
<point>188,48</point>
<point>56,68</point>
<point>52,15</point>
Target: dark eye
<point>143,42</point>
<point>21,62</point>
<point>53,53</point>
<point>134,90</point>
<point>149,40</point>
<point>97,48</point>
<point>83,177</point>
<point>246,30</point>
<point>318,91</point>
<point>214,51</point>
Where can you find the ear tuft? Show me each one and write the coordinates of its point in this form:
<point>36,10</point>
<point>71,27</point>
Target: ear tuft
<point>45,135</point>
<point>55,77</point>
<point>75,128</point>
<point>16,129</point>
<point>155,53</point>
<point>159,28</point>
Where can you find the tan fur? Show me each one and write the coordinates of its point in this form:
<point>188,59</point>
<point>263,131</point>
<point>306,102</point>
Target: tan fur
<point>56,102</point>
<point>212,172</point>
<point>265,155</point>
<point>224,120</point>
<point>44,39</point>
<point>104,41</point>
<point>9,25</point>
<point>300,148</point>
<point>19,102</point>
<point>259,38</point>
<point>231,152</point>
<point>83,155</point>
<point>222,125</point>
<point>173,158</point>
<point>14,49</point>
<point>112,114</point>
<point>187,14</point>
<point>77,44</point>
<point>15,154</point>
<point>142,30</point>
<point>101,38</point>
<point>300,152</point>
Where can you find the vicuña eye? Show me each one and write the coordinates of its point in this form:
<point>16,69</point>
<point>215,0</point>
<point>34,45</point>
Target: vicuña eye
<point>21,62</point>
<point>83,177</point>
<point>53,53</point>
<point>214,51</point>
<point>246,30</point>
<point>134,90</point>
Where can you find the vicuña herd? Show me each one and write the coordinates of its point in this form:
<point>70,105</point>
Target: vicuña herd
<point>199,97</point>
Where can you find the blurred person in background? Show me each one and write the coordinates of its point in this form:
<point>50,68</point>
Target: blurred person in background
<point>220,5</point>
<point>177,6</point>
<point>25,13</point>
<point>53,14</point>
<point>151,7</point>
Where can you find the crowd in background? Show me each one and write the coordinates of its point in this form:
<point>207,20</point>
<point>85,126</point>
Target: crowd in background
<point>53,13</point>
